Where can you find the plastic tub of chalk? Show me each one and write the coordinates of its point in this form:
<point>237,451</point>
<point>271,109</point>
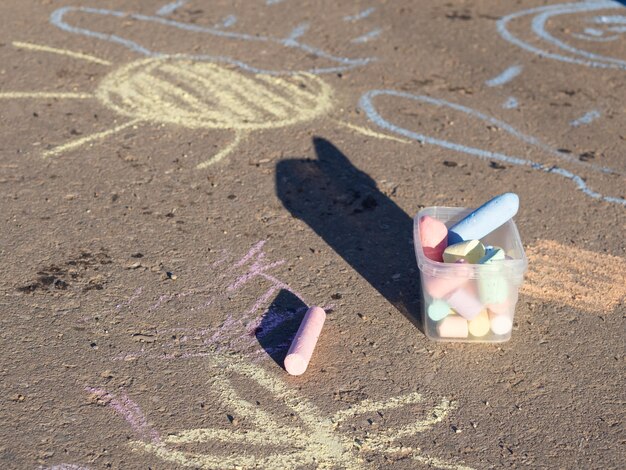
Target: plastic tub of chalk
<point>465,302</point>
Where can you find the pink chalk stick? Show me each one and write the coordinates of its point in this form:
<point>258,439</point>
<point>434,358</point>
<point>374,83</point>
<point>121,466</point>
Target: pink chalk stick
<point>303,344</point>
<point>505,308</point>
<point>465,303</point>
<point>438,287</point>
<point>434,237</point>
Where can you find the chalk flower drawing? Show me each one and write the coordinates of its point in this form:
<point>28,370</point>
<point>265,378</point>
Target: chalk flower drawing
<point>200,91</point>
<point>232,352</point>
<point>325,442</point>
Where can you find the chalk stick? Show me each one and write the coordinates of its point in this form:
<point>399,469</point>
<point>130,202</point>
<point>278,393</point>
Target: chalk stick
<point>500,324</point>
<point>471,251</point>
<point>303,344</point>
<point>453,326</point>
<point>479,326</point>
<point>507,307</point>
<point>485,219</point>
<point>438,287</point>
<point>438,310</point>
<point>433,237</point>
<point>464,303</point>
<point>492,254</point>
<point>493,289</point>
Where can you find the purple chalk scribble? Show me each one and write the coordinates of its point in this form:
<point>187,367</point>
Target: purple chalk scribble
<point>130,411</point>
<point>240,331</point>
<point>133,297</point>
<point>64,466</point>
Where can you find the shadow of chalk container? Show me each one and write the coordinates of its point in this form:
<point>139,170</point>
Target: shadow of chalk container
<point>470,302</point>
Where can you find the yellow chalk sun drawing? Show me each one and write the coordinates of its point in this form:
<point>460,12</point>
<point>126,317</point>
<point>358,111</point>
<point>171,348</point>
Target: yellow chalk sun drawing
<point>197,95</point>
<point>325,442</point>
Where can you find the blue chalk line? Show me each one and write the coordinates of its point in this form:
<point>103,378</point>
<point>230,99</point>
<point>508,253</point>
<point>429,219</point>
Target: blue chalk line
<point>538,27</point>
<point>229,21</point>
<point>586,118</point>
<point>56,18</point>
<point>359,16</point>
<point>298,31</point>
<point>595,38</point>
<point>170,7</point>
<point>367,36</point>
<point>615,19</point>
<point>366,104</point>
<point>505,77</point>
<point>510,103</point>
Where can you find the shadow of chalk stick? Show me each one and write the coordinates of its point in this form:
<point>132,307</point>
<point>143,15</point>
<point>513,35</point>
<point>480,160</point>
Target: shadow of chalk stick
<point>343,205</point>
<point>279,325</point>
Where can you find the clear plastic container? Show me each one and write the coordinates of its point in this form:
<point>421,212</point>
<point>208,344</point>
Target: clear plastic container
<point>470,302</point>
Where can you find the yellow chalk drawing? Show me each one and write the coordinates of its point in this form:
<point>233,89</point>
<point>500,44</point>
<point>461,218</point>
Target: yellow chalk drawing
<point>54,50</point>
<point>315,440</point>
<point>89,138</point>
<point>575,277</point>
<point>198,95</point>
<point>45,95</point>
<point>239,136</point>
<point>371,133</point>
<point>205,95</point>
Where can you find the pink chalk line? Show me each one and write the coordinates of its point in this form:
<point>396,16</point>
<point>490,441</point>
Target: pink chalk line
<point>127,303</point>
<point>258,268</point>
<point>254,250</point>
<point>130,411</point>
<point>234,333</point>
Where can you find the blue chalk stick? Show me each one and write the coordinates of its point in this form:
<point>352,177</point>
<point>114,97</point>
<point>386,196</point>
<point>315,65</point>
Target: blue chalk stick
<point>485,219</point>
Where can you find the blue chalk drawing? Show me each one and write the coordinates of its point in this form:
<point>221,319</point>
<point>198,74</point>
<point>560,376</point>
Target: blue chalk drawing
<point>343,63</point>
<point>273,2</point>
<point>505,77</point>
<point>367,36</point>
<point>615,19</point>
<point>366,104</point>
<point>510,103</point>
<point>598,35</point>
<point>592,34</point>
<point>361,15</point>
<point>229,21</point>
<point>170,7</point>
<point>542,15</point>
<point>586,118</point>
<point>297,32</point>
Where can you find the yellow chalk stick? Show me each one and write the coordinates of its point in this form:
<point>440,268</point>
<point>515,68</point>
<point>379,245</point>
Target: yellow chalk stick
<point>471,251</point>
<point>480,325</point>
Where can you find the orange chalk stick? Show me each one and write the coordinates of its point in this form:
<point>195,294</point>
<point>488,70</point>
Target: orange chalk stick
<point>303,344</point>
